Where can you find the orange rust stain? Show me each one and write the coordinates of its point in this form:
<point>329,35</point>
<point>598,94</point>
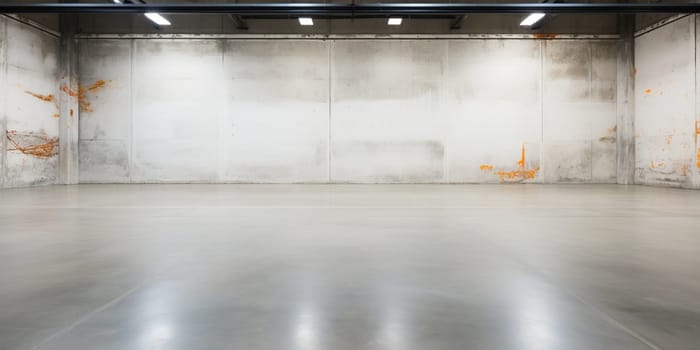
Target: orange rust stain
<point>697,128</point>
<point>634,70</point>
<point>45,98</point>
<point>668,139</point>
<point>44,149</point>
<point>56,115</point>
<point>97,85</point>
<point>656,165</point>
<point>486,167</point>
<point>684,169</point>
<point>521,173</point>
<point>82,93</point>
<point>544,36</point>
<point>647,91</point>
<point>698,156</point>
<point>71,112</point>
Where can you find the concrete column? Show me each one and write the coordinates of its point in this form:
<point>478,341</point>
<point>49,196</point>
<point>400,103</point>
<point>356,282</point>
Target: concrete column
<point>68,165</point>
<point>625,101</point>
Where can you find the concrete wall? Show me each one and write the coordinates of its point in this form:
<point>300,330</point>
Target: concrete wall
<point>463,110</point>
<point>666,97</point>
<point>29,111</point>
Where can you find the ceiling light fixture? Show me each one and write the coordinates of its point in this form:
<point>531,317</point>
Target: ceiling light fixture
<point>117,1</point>
<point>157,19</point>
<point>306,21</point>
<point>394,21</point>
<point>532,19</point>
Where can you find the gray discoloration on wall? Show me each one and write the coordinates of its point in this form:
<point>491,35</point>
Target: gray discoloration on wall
<point>68,167</point>
<point>226,110</point>
<point>579,117</point>
<point>394,98</point>
<point>278,89</point>
<point>392,162</point>
<point>29,105</point>
<point>3,103</point>
<point>665,102</point>
<point>625,133</point>
<point>104,161</point>
<point>105,131</point>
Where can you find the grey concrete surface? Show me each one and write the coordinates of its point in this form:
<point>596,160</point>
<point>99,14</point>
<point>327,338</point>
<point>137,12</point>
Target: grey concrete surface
<point>349,267</point>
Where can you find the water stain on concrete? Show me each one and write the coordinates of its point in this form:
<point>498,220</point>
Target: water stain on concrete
<point>34,144</point>
<point>611,136</point>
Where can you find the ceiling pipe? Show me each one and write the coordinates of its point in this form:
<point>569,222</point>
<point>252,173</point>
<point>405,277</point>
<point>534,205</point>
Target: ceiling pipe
<point>330,9</point>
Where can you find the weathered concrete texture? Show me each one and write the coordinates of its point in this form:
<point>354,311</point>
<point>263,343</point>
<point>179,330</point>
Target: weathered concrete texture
<point>387,111</point>
<point>625,134</point>
<point>205,111</point>
<point>368,111</point>
<point>665,100</point>
<point>275,125</point>
<point>30,108</point>
<point>105,127</point>
<point>579,111</point>
<point>3,95</point>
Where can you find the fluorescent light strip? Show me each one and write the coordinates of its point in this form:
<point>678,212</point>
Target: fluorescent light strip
<point>157,19</point>
<point>394,21</point>
<point>532,19</point>
<point>306,21</point>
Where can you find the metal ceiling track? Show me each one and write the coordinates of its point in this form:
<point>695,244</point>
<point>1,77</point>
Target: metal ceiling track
<point>329,9</point>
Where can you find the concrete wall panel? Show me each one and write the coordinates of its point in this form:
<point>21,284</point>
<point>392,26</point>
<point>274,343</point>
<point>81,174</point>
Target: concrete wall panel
<point>579,116</point>
<point>275,128</point>
<point>31,106</point>
<point>105,124</point>
<point>387,111</point>
<point>665,105</point>
<point>398,111</point>
<point>177,102</point>
<point>495,110</point>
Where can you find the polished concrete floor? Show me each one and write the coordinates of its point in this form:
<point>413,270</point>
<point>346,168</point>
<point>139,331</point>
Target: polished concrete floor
<point>349,267</point>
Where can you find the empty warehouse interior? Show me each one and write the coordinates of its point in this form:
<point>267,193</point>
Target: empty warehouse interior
<point>265,175</point>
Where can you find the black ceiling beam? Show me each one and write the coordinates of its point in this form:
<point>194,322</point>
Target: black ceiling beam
<point>345,9</point>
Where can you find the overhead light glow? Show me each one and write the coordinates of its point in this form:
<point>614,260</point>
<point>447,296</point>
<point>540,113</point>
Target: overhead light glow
<point>306,21</point>
<point>117,1</point>
<point>532,19</point>
<point>157,19</point>
<point>394,21</point>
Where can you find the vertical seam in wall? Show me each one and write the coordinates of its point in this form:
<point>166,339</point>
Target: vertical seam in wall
<point>131,109</point>
<point>330,101</point>
<point>590,102</point>
<point>542,162</point>
<point>444,99</point>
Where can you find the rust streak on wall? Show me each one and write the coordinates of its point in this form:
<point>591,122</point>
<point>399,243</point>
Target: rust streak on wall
<point>45,98</point>
<point>38,145</point>
<point>521,173</point>
<point>82,93</point>
<point>486,167</point>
